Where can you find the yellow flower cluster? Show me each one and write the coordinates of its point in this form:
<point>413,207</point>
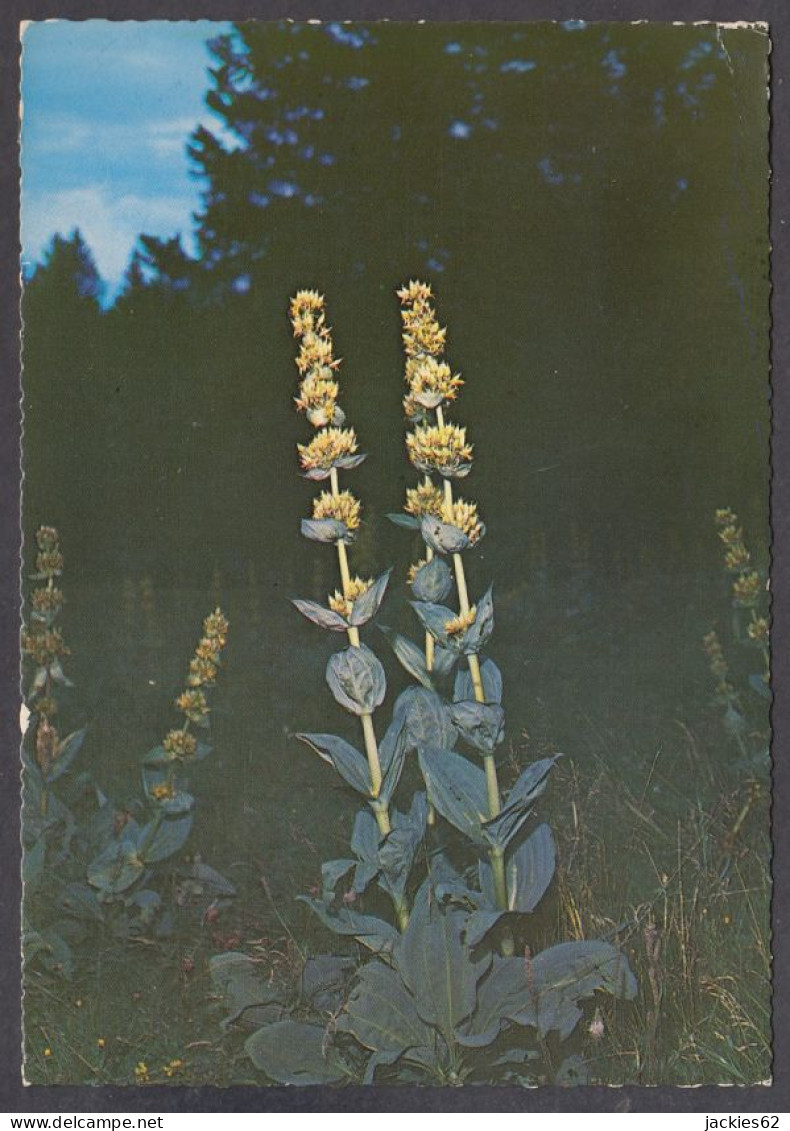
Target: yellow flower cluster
<point>464,515</point>
<point>173,1067</point>
<point>141,1072</point>
<point>425,498</point>
<point>441,448</point>
<point>326,448</point>
<point>457,626</point>
<point>747,587</point>
<point>203,666</point>
<point>431,382</point>
<point>342,507</point>
<point>180,744</point>
<point>758,630</point>
<point>343,603</point>
<point>422,333</point>
<point>45,646</point>
<point>193,703</point>
<point>711,645</point>
<point>318,391</point>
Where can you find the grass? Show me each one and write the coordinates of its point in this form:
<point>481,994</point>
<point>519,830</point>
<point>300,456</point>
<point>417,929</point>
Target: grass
<point>664,844</point>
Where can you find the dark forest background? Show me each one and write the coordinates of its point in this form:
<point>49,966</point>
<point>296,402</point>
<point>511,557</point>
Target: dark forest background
<point>590,204</point>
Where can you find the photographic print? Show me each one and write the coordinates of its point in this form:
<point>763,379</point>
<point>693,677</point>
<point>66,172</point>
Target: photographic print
<point>395,657</point>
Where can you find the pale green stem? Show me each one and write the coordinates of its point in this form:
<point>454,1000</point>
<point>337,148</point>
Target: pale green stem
<point>380,809</point>
<point>492,784</point>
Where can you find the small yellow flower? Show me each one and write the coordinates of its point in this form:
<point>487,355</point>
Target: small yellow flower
<point>304,302</point>
<point>201,671</point>
<point>315,353</point>
<point>101,1043</point>
<point>457,626</point>
<point>208,649</point>
<point>415,569</point>
<point>342,507</point>
<point>726,517</point>
<point>46,600</point>
<point>141,1072</point>
<point>758,630</point>
<point>47,538</point>
<point>424,499</point>
<point>342,604</point>
<point>49,562</point>
<point>173,1068</point>
<point>747,588</point>
<point>441,448</point>
<point>47,1051</point>
<point>711,645</point>
<point>78,1003</point>
<point>327,447</point>
<point>215,626</point>
<point>193,704</point>
<point>737,558</point>
<point>165,791</point>
<point>430,382</point>
<point>317,397</point>
<point>415,291</point>
<point>730,535</point>
<point>45,646</point>
<point>180,744</point>
<point>464,516</point>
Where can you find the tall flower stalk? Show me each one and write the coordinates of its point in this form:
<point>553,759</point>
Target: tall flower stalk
<point>355,676</point>
<point>42,641</point>
<point>180,746</point>
<point>449,524</point>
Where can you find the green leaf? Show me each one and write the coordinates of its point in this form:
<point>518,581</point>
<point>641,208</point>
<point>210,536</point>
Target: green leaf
<point>356,679</point>
<point>346,759</point>
<point>443,537</point>
<point>530,785</point>
<point>503,993</point>
<point>167,840</point>
<point>324,618</point>
<point>436,966</point>
<point>457,788</point>
<point>382,1014</point>
<point>426,719</point>
<point>367,605</point>
<point>529,870</point>
<point>332,872</point>
<point>433,581</point>
<point>157,756</point>
<point>376,934</point>
<point>434,619</point>
<point>411,657</point>
<point>293,1052</point>
<point>243,986</point>
<point>68,750</point>
<point>568,973</point>
<point>408,521</point>
<point>492,683</point>
<point>392,751</point>
<point>482,725</point>
<point>324,529</point>
<point>477,635</point>
<point>115,869</point>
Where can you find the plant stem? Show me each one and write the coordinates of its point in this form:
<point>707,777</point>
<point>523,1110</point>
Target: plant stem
<point>429,641</point>
<point>380,809</point>
<point>492,784</point>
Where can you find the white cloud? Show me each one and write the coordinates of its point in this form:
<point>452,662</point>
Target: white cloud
<point>110,224</point>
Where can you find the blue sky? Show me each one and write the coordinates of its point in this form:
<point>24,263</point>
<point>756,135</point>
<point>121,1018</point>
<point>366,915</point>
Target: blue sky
<point>107,111</point>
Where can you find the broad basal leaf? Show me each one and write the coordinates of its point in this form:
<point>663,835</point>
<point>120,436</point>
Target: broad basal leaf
<point>294,1052</point>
